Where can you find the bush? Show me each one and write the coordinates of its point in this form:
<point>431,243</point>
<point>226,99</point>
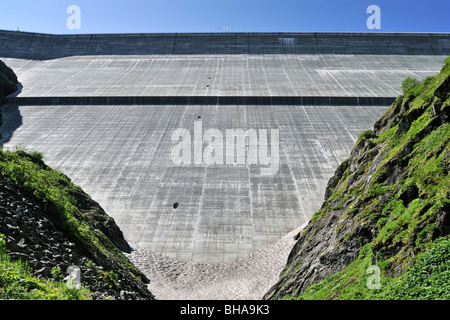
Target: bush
<point>408,84</point>
<point>368,134</point>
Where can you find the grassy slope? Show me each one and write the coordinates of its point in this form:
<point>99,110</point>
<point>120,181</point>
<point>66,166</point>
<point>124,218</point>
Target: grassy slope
<point>412,246</point>
<point>61,199</point>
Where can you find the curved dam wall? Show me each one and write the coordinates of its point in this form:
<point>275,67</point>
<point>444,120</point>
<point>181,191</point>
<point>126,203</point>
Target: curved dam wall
<point>45,46</point>
<point>112,111</point>
<point>221,65</point>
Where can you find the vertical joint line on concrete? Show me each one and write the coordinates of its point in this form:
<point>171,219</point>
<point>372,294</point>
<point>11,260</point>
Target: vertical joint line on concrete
<point>174,43</point>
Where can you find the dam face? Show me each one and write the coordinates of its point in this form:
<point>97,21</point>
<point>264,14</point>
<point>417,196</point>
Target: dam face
<point>143,124</point>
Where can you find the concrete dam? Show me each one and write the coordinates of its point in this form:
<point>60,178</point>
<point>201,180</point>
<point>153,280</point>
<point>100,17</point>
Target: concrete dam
<point>109,111</point>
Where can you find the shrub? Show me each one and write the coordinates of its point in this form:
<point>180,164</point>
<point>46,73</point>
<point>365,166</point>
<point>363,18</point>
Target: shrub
<point>368,134</point>
<point>408,84</point>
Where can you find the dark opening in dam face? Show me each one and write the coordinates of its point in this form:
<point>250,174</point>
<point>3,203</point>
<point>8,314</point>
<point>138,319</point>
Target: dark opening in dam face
<point>141,123</point>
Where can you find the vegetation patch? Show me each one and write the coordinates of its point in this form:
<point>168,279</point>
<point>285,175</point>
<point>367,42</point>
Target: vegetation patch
<point>18,282</point>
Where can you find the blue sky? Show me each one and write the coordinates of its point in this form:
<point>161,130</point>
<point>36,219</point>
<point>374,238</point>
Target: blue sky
<point>140,16</point>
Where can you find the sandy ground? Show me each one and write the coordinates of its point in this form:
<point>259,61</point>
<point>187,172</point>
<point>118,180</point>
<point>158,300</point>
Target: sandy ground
<point>248,278</point>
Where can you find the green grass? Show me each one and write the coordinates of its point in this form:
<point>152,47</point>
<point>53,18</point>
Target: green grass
<point>52,187</point>
<point>427,279</point>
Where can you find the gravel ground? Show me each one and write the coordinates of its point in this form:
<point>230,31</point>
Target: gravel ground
<point>248,278</point>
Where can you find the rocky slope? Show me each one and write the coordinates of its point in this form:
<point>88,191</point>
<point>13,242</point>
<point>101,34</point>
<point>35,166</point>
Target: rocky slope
<point>51,224</point>
<point>386,205</point>
<point>32,236</point>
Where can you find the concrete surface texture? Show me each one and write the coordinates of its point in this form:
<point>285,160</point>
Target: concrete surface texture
<point>222,75</point>
<point>122,155</point>
<point>298,64</point>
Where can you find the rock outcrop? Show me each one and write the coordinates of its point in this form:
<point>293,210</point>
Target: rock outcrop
<point>8,81</point>
<point>387,201</point>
